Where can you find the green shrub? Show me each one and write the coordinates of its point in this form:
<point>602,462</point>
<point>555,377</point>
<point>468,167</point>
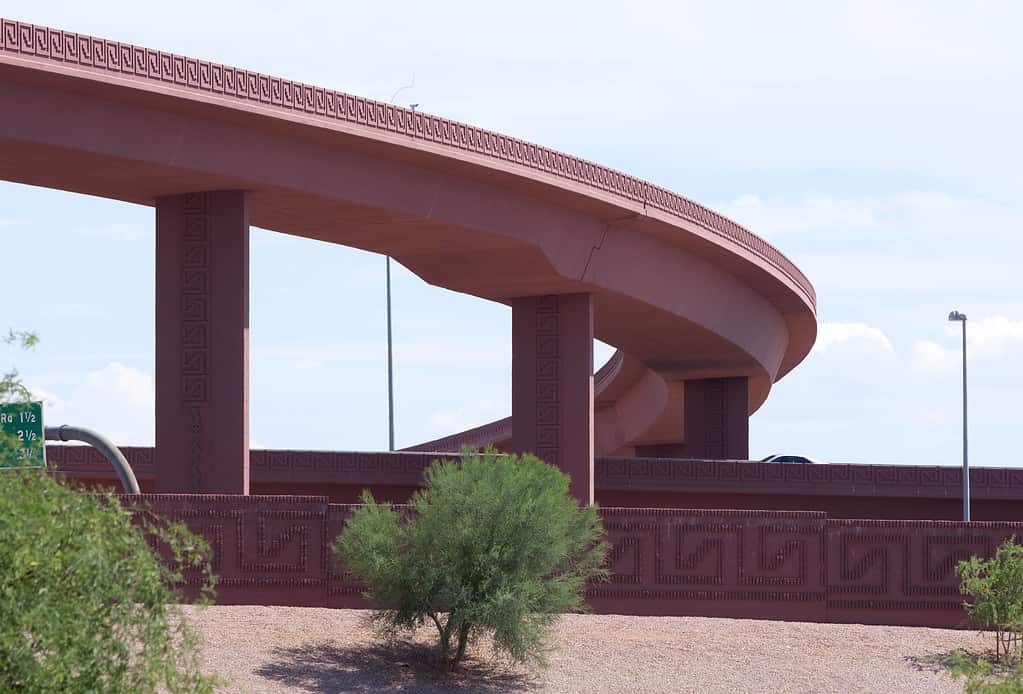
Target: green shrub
<point>85,604</point>
<point>13,390</point>
<point>492,546</point>
<point>996,588</point>
<point>984,677</point>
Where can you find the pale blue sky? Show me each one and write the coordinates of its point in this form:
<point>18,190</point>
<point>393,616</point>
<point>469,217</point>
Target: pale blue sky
<point>875,143</point>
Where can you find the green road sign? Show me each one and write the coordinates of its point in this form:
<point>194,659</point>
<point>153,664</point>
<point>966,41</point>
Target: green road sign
<point>22,443</point>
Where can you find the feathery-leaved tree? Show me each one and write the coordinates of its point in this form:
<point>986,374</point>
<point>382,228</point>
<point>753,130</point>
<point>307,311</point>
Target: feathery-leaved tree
<point>995,589</point>
<point>85,604</point>
<point>494,546</point>
<point>11,387</point>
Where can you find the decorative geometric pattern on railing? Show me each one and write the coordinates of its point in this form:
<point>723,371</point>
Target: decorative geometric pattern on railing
<point>273,549</point>
<point>328,467</point>
<point>782,565</point>
<point>339,467</point>
<point>904,566</point>
<point>85,461</point>
<point>135,62</point>
<point>740,476</point>
<point>405,468</point>
<point>681,555</point>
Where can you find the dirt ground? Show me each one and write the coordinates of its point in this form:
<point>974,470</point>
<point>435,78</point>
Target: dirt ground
<point>290,649</point>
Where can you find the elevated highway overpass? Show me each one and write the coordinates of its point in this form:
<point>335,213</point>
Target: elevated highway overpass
<point>705,315</point>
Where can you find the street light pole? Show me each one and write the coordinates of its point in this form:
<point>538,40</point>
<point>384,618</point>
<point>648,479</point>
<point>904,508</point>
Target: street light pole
<point>390,366</point>
<point>390,348</point>
<point>961,317</point>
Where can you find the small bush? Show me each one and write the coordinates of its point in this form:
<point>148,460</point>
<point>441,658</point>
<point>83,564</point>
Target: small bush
<point>493,546</point>
<point>996,588</point>
<point>85,604</point>
<point>984,677</point>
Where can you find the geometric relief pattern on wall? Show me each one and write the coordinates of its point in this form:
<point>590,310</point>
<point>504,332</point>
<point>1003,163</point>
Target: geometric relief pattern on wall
<point>406,468</point>
<point>195,307</point>
<point>282,541</point>
<point>667,474</point>
<point>630,555</point>
<point>339,467</point>
<point>223,530</point>
<point>695,552</point>
<point>548,370</point>
<point>881,565</point>
<point>714,411</point>
<point>266,547</point>
<point>626,553</point>
<point>256,541</point>
<point>721,555</point>
<point>935,560</point>
<point>340,582</point>
<point>866,563</point>
<point>86,459</point>
<point>759,563</point>
<point>783,555</point>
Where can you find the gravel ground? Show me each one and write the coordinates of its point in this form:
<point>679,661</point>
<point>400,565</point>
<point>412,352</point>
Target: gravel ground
<point>291,649</point>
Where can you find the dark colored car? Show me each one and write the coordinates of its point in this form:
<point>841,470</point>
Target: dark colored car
<point>790,459</point>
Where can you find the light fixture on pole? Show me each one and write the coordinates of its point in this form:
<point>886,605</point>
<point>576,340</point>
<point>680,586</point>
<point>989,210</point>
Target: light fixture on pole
<point>961,317</point>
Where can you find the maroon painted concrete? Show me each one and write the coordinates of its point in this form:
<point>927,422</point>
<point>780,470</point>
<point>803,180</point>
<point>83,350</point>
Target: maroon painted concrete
<point>202,343</point>
<point>879,492</point>
<point>715,422</point>
<point>275,550</point>
<point>684,293</point>
<point>552,384</point>
<point>647,413</point>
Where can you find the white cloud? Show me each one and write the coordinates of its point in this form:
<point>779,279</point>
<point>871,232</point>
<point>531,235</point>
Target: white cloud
<point>832,334</point>
<point>55,406</point>
<point>118,401</point>
<point>123,384</point>
<point>927,201</point>
<point>930,356</point>
<point>991,335</point>
<point>987,338</point>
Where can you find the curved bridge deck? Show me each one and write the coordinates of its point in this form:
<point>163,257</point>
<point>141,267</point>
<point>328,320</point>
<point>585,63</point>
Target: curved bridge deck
<point>706,316</point>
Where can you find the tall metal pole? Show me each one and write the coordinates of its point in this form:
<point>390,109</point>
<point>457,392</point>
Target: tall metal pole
<point>966,465</point>
<point>390,366</point>
<point>390,351</point>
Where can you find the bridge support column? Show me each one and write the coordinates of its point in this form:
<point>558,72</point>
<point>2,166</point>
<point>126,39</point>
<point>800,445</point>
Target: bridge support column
<point>552,384</point>
<point>202,343</point>
<point>715,422</point>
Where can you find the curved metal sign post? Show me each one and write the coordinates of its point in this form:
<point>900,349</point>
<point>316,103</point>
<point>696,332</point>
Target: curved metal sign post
<point>101,444</point>
<point>23,441</point>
